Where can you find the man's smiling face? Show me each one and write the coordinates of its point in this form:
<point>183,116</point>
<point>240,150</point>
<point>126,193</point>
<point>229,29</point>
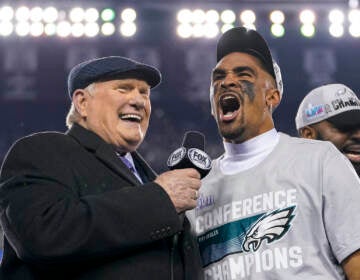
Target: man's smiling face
<point>118,111</point>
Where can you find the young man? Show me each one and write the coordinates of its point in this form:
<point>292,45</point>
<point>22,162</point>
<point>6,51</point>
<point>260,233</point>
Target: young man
<point>273,206</point>
<point>84,204</point>
<point>332,113</point>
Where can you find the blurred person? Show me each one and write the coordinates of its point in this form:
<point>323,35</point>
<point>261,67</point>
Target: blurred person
<point>273,206</point>
<point>332,113</point>
<point>84,204</point>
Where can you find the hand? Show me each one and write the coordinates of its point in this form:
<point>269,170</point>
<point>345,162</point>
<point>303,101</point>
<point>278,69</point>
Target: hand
<point>182,186</point>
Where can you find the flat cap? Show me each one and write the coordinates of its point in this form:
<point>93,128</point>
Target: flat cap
<point>110,68</point>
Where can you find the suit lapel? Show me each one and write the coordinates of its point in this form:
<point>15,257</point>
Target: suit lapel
<point>103,151</point>
<point>146,172</point>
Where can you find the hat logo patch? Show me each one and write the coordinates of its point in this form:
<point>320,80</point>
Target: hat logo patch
<point>341,103</point>
<point>314,111</point>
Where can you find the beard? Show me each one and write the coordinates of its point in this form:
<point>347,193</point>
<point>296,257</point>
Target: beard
<point>356,165</point>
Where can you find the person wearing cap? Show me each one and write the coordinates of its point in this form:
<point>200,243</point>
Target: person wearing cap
<point>84,204</point>
<point>273,206</point>
<point>332,113</point>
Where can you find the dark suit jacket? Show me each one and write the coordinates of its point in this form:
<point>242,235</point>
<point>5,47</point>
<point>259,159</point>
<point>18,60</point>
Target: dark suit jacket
<point>70,209</point>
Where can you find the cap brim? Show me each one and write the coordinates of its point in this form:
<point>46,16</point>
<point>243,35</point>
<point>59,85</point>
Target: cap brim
<point>346,119</point>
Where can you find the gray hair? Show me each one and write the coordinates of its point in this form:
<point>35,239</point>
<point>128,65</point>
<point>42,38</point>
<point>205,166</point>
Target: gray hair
<point>73,116</point>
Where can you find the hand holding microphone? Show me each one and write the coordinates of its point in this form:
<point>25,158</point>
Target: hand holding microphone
<point>188,165</point>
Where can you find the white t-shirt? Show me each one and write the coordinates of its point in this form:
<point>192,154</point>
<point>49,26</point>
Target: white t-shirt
<point>294,215</point>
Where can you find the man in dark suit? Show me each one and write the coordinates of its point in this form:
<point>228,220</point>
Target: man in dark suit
<point>84,204</point>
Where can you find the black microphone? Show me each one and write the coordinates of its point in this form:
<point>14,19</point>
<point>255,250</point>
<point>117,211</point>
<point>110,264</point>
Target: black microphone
<point>191,154</point>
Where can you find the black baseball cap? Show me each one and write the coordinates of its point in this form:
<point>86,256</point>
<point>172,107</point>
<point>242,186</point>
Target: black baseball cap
<point>242,39</point>
<point>110,68</point>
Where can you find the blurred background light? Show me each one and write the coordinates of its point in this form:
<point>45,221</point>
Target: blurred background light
<point>277,30</point>
<point>107,14</point>
<point>184,30</point>
<point>108,29</point>
<point>184,16</point>
<point>198,16</point>
<point>63,29</point>
<point>6,13</point>
<point>336,16</point>
<point>37,29</point>
<point>22,14</point>
<point>226,27</point>
<point>212,16</point>
<point>92,29</point>
<point>128,29</point>
<point>128,15</point>
<point>50,29</point>
<point>228,16</point>
<point>36,14</point>
<point>277,17</point>
<point>6,28</point>
<point>22,28</point>
<point>308,30</point>
<point>91,15</point>
<point>77,14</point>
<point>307,16</point>
<point>336,30</point>
<point>247,17</point>
<point>50,15</point>
<point>77,29</point>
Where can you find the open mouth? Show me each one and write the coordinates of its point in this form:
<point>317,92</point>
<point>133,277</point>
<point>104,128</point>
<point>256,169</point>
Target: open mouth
<point>229,105</point>
<point>352,152</point>
<point>130,118</point>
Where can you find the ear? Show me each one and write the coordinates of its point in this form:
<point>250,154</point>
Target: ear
<point>272,98</point>
<point>80,100</point>
<point>308,132</point>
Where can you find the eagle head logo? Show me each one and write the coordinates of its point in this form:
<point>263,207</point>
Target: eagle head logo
<point>269,227</point>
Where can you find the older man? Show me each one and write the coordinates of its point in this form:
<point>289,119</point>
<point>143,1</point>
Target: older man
<point>332,113</point>
<point>84,204</point>
<point>273,206</point>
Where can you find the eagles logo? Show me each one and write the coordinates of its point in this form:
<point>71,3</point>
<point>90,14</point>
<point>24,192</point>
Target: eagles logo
<point>269,227</point>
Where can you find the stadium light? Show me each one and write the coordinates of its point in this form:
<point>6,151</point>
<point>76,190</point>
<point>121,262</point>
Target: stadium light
<point>212,16</point>
<point>248,17</point>
<point>228,16</point>
<point>198,16</point>
<point>128,29</point>
<point>336,30</point>
<point>128,15</point>
<point>307,17</point>
<point>6,13</point>
<point>277,17</point>
<point>36,14</point>
<point>107,14</point>
<point>108,28</point>
<point>91,15</point>
<point>22,14</point>
<point>6,28</point>
<point>277,30</point>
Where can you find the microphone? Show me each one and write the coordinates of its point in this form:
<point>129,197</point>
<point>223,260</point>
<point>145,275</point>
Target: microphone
<point>191,154</point>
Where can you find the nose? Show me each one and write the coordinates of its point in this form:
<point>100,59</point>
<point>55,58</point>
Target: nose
<point>137,99</point>
<point>230,80</point>
<point>356,134</point>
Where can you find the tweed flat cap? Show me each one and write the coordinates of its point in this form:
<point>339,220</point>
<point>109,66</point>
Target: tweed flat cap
<point>110,68</point>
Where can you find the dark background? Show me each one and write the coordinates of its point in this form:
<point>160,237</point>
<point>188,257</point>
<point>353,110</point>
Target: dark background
<point>33,94</point>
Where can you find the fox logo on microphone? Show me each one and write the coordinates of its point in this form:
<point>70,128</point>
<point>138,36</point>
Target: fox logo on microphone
<point>199,158</point>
